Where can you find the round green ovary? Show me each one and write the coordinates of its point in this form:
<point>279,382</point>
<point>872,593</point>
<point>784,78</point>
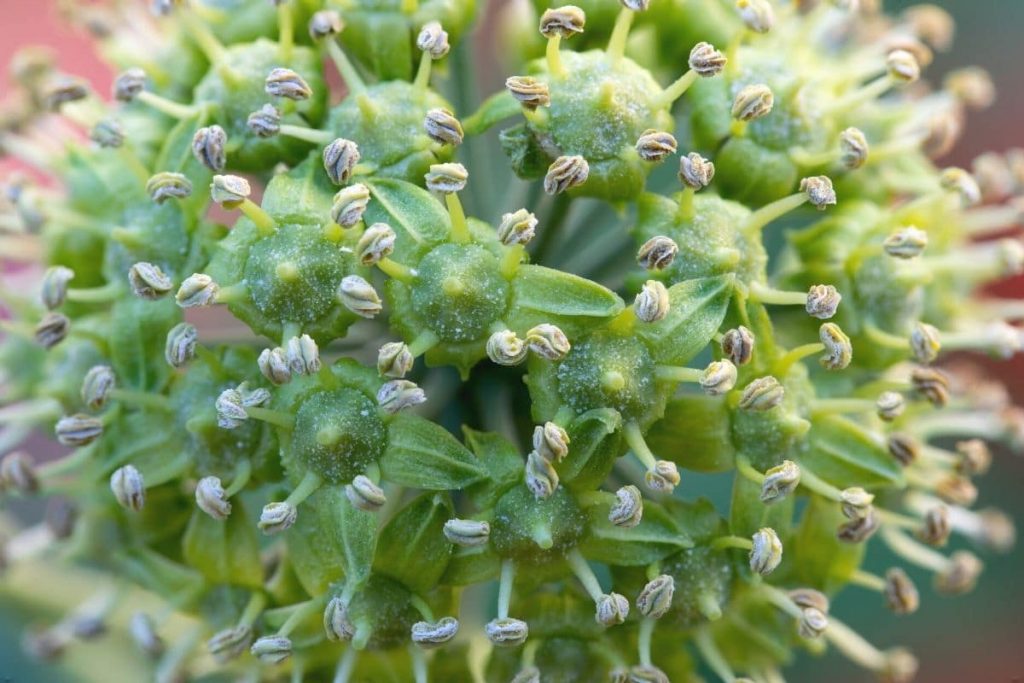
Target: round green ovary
<point>609,372</point>
<point>293,274</point>
<point>460,292</point>
<point>535,530</point>
<point>701,576</point>
<point>383,605</point>
<point>337,435</point>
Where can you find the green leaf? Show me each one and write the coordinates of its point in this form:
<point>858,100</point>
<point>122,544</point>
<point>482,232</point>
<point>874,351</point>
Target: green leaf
<point>225,551</point>
<point>656,537</point>
<point>545,295</point>
<point>494,109</point>
<point>844,454</point>
<point>331,541</point>
<point>412,548</point>
<point>594,444</point>
<point>699,519</point>
<point>424,455</point>
<point>419,220</point>
<point>138,332</point>
<point>747,513</point>
<point>469,566</point>
<point>696,310</point>
<point>695,433</point>
<point>818,558</point>
<point>503,461</point>
<point>526,156</point>
<point>302,194</point>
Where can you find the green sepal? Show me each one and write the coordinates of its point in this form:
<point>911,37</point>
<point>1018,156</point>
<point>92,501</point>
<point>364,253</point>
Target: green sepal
<point>331,541</point>
<point>137,334</point>
<point>302,195</point>
<point>412,547</point>
<point>424,455</point>
<point>695,433</point>
<point>154,571</point>
<point>594,444</point>
<point>747,513</point>
<point>493,110</point>
<point>469,566</point>
<point>655,538</point>
<point>755,174</point>
<point>698,519</point>
<point>418,219</point>
<point>225,551</point>
<point>503,461</point>
<point>816,556</point>
<point>696,311</point>
<point>844,454</point>
<point>526,156</point>
<point>544,295</point>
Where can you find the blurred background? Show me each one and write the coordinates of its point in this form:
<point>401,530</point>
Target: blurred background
<point>977,638</point>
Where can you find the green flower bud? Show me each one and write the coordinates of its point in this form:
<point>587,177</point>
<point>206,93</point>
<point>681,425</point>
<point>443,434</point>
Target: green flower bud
<point>655,599</point>
<point>447,178</point>
<point>148,281</point>
<point>548,342</point>
<point>229,190</point>
<point>467,532</point>
<point>180,347</point>
<point>303,355</point>
<point>265,122</point>
<point>107,133</point>
<point>17,473</point>
<point>906,243</point>
<point>664,477</point>
<point>128,84</point>
<point>925,343</point>
<point>935,527</point>
<point>166,185</point>
<point>903,66</point>
<point>541,477</point>
<point>96,386</point>
<point>507,632</point>
<point>961,575</point>
<point>272,649</point>
<point>655,146</point>
<point>208,147</point>
<point>931,384</point>
<point>628,508</point>
<point>780,482</point>
<point>359,296</point>
<point>657,253</point>
<point>78,430</point>
<point>706,61</point>
<point>350,204</point>
<point>812,623</point>
<point>128,488</point>
<point>277,517</point>
<point>766,553</point>
<point>399,394</point>
<point>340,159</point>
<point>858,530</point>
<point>365,495</point>
<point>274,365</point>
<point>753,102</point>
<point>738,345</point>
<point>565,173</point>
<point>376,243</point>
<point>52,330</point>
<point>442,127</point>
<point>143,632</point>
<point>198,289</point>
<point>718,378</point>
<point>324,24</point>
<point>823,301</point>
<point>551,442</point>
<point>210,498</point>
<point>838,350</point>
<point>434,40</point>
<point>853,148</point>
<point>505,348</point>
<point>517,227</point>
<point>900,592</point>
<point>611,609</point>
<point>695,171</point>
<point>764,393</point>
<point>757,15</point>
<point>529,92</point>
<point>336,623</point>
<point>652,303</point>
<point>281,82</point>
<point>394,360</point>
<point>229,644</point>
<point>430,635</point>
<point>55,286</point>
<point>819,191</point>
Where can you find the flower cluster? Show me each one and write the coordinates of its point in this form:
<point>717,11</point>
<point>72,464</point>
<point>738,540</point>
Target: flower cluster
<point>440,377</point>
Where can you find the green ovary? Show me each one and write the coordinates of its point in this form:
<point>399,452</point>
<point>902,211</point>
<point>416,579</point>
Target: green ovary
<point>337,435</point>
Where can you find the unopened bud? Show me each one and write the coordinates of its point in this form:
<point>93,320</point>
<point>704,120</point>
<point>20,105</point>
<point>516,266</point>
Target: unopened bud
<point>359,296</point>
<point>96,386</point>
<point>664,477</point>
<point>78,430</point>
<point>853,148</point>
<point>654,146</point>
<point>890,405</point>
<point>611,609</point>
<point>377,242</point>
<point>340,159</point>
<point>961,575</point>
<point>167,185</point>
<point>394,359</point>
<point>180,347</point>
<point>336,622</point>
<point>208,147</point>
<point>564,22</point>
<point>430,635</point>
<point>230,643</point>
<point>507,632</point>
<point>229,190</point>
<point>128,487</point>
<point>148,281</point>
<point>442,127</point>
<point>447,178</point>
<point>657,253</point>
<point>550,441</point>
<point>757,15</point>
<point>652,303</point>
<point>565,173</point>
<point>433,39</point>
<point>764,393</point>
<point>706,61</point>
<point>753,102</point>
<point>548,341</point>
<point>738,345</point>
<point>282,82</point>
<point>399,394</point>
<point>272,649</point>
<point>54,289</point>
<point>655,599</point>
<point>780,481</point>
<point>903,66</point>
<point>350,204</point>
<point>695,171</point>
<point>718,378</point>
<point>540,476</point>
<point>906,243</point>
<point>277,517</point>
<point>265,122</point>
<point>819,191</point>
<point>528,91</point>
<point>766,552</point>
<point>628,508</point>
<point>365,495</point>
<point>823,301</point>
<point>198,289</point>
